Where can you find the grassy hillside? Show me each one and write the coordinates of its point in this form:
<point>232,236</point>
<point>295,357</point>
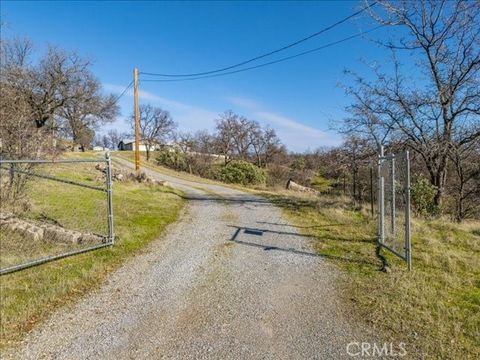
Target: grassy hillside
<point>153,164</point>
<point>434,308</point>
<point>141,213</point>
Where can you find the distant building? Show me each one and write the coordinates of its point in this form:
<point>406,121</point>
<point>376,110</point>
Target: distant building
<point>129,145</point>
<point>100,148</point>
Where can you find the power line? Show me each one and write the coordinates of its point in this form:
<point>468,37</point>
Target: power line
<point>123,92</point>
<point>270,62</point>
<point>269,53</point>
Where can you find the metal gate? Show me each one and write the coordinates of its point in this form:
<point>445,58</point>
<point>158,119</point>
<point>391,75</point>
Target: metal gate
<point>394,204</point>
<point>41,170</point>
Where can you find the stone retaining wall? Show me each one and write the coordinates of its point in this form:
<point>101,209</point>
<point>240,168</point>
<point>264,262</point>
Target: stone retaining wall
<point>33,231</point>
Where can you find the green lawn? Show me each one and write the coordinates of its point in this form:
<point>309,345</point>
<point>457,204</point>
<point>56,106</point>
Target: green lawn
<point>434,308</point>
<point>141,213</point>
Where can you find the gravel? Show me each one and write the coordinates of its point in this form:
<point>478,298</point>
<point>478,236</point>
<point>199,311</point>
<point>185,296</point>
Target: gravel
<point>230,280</point>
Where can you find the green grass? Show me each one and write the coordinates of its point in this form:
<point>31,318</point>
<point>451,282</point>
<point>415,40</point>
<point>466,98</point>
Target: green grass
<point>434,308</point>
<point>141,213</point>
<point>17,250</point>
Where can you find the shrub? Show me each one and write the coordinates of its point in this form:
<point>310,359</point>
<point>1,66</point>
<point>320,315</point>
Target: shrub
<point>321,184</point>
<point>173,159</point>
<point>242,172</point>
<point>277,175</point>
<point>422,195</point>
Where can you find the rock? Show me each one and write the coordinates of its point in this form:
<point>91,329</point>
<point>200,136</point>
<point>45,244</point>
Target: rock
<point>291,185</point>
<point>5,216</point>
<point>46,232</point>
<point>100,167</point>
<point>90,239</point>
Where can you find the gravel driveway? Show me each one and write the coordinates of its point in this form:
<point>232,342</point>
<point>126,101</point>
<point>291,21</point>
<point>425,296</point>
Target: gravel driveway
<point>230,280</point>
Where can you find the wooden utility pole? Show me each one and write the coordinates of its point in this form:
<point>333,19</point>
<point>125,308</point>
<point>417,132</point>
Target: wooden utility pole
<point>137,120</point>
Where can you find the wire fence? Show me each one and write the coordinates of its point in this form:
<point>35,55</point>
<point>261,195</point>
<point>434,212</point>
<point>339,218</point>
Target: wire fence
<point>53,209</point>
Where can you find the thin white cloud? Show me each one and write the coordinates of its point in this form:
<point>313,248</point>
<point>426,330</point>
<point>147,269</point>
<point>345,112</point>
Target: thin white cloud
<point>296,135</point>
<point>188,117</point>
<point>243,102</point>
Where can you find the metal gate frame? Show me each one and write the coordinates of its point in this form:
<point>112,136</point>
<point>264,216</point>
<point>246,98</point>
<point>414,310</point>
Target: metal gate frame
<point>110,239</point>
<point>407,256</point>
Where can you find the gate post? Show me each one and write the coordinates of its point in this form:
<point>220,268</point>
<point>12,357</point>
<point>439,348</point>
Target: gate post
<point>408,245</point>
<point>392,196</point>
<point>381,212</point>
<point>108,176</point>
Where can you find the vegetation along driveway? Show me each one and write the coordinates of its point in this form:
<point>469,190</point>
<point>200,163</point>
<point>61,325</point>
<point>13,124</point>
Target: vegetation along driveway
<point>230,280</point>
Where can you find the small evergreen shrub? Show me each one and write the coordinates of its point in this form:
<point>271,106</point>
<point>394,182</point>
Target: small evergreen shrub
<point>422,194</point>
<point>173,159</point>
<point>242,172</point>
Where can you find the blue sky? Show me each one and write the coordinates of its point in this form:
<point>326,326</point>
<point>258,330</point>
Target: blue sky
<point>300,98</point>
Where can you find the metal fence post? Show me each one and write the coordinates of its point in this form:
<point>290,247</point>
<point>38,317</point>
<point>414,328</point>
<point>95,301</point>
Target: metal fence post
<point>371,188</point>
<point>108,175</point>
<point>392,199</point>
<point>408,245</point>
<point>380,181</point>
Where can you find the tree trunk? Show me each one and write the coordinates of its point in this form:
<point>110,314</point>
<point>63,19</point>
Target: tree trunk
<point>460,214</point>
<point>439,182</point>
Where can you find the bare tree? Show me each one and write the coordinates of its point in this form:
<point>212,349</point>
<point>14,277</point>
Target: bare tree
<point>466,180</point>
<point>86,108</point>
<point>156,126</point>
<point>33,97</point>
<point>440,109</point>
<point>184,141</point>
<point>265,144</point>
<point>53,83</point>
<point>204,142</point>
<point>85,137</point>
<point>241,138</point>
<point>15,53</point>
<point>224,140</point>
<point>114,138</point>
<point>59,89</point>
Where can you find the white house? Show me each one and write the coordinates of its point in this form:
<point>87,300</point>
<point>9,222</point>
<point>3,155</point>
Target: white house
<point>129,145</point>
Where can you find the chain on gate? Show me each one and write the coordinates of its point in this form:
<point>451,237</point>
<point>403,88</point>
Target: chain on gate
<point>394,204</point>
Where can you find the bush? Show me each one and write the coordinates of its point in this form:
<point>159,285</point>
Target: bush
<point>242,172</point>
<point>321,184</point>
<point>277,175</point>
<point>422,195</point>
<point>173,159</point>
